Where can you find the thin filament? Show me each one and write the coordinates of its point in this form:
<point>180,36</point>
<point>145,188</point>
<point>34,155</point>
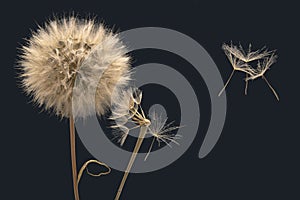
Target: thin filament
<point>273,90</point>
<point>226,82</point>
<point>246,85</point>
<point>150,148</point>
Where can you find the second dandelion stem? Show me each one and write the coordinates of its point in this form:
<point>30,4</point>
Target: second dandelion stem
<point>138,144</point>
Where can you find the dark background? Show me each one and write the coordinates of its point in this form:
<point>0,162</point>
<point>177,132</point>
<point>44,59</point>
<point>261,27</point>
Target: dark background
<point>257,156</point>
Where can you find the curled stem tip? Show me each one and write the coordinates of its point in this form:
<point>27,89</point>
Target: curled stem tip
<point>85,166</point>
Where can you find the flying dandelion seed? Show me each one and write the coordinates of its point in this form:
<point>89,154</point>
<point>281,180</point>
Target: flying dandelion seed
<point>50,61</point>
<point>234,54</point>
<point>161,131</point>
<point>240,59</point>
<point>262,69</point>
<point>241,54</point>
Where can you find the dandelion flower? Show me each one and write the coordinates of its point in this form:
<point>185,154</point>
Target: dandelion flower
<point>70,49</point>
<point>55,53</point>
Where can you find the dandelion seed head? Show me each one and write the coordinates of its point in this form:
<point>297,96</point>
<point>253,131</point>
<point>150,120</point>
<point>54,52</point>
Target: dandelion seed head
<point>124,108</point>
<point>55,54</point>
<point>125,100</point>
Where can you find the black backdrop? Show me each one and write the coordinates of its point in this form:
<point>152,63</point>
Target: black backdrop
<point>257,156</point>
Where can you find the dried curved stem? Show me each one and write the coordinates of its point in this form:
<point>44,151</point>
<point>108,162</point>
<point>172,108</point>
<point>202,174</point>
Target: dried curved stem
<point>85,165</point>
<point>138,144</point>
<point>73,157</point>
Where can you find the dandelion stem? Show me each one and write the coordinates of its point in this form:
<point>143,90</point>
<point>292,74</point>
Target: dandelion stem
<point>138,144</point>
<point>226,82</point>
<point>73,157</point>
<point>273,90</point>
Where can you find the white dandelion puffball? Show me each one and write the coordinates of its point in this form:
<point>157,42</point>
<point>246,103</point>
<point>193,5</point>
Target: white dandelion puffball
<point>68,49</point>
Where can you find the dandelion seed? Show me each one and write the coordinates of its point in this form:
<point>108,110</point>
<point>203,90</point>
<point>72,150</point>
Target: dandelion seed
<point>262,69</point>
<point>241,54</point>
<point>120,133</point>
<point>234,54</point>
<point>161,131</point>
<point>240,60</point>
